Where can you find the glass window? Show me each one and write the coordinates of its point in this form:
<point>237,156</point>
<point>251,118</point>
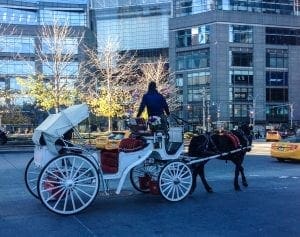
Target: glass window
<point>72,18</point>
<point>277,58</point>
<point>241,34</point>
<point>183,38</point>
<point>10,67</point>
<point>277,78</point>
<point>282,36</point>
<point>240,111</point>
<point>241,59</point>
<point>239,77</point>
<point>277,95</point>
<point>179,80</point>
<point>192,59</point>
<point>18,16</point>
<point>242,93</point>
<point>17,44</point>
<point>198,78</point>
<point>277,113</point>
<point>68,45</point>
<point>67,69</point>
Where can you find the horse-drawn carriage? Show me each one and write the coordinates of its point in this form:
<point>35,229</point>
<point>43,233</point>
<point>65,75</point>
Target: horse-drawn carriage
<point>66,176</point>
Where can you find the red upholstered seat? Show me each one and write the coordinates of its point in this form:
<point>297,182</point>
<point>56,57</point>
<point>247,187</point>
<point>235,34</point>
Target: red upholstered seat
<point>110,161</point>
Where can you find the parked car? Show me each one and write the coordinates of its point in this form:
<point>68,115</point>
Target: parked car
<point>112,140</point>
<point>287,149</point>
<point>273,136</point>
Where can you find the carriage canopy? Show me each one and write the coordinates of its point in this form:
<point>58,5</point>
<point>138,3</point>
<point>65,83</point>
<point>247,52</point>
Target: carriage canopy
<point>55,125</point>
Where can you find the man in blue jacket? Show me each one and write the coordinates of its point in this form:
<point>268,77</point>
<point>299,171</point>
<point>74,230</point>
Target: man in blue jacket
<point>154,101</point>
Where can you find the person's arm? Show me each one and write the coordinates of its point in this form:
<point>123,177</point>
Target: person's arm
<point>142,107</point>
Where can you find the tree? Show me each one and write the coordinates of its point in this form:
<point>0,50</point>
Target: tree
<point>56,51</point>
<point>109,80</point>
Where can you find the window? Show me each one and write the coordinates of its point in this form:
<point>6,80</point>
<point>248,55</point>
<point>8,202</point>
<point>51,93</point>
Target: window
<point>67,46</point>
<point>277,95</point>
<point>241,34</point>
<point>241,93</point>
<point>179,80</point>
<point>282,36</point>
<point>10,67</point>
<point>198,78</point>
<point>241,59</point>
<point>194,36</point>
<point>277,113</point>
<point>67,69</point>
<point>183,38</point>
<point>240,111</point>
<point>71,18</point>
<point>277,58</point>
<point>239,77</point>
<point>17,16</point>
<point>277,78</point>
<point>16,44</point>
<point>192,59</point>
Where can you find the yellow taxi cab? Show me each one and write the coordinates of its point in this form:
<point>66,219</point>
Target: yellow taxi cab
<point>273,136</point>
<point>287,149</point>
<point>112,140</point>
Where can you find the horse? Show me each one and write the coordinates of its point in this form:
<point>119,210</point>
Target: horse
<point>206,145</point>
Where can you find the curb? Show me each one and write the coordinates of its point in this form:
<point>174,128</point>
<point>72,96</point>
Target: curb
<point>16,149</point>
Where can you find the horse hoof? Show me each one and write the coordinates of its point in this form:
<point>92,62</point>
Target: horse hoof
<point>237,188</point>
<point>245,184</point>
<point>209,190</point>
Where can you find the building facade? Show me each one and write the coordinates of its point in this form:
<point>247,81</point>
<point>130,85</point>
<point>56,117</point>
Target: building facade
<point>139,26</point>
<point>237,61</point>
<point>22,43</point>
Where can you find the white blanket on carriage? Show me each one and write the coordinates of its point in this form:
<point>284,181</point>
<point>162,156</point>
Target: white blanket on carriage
<point>55,125</point>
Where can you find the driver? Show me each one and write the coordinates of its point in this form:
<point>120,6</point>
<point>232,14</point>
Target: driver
<point>156,104</point>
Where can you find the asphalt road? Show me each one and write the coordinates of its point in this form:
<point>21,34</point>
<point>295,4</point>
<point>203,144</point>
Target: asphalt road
<point>270,206</point>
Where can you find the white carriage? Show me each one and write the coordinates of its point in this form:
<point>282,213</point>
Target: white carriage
<point>66,177</point>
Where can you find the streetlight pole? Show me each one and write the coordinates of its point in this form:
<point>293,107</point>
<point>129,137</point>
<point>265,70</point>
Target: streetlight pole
<point>203,108</point>
<point>252,111</point>
<point>292,114</point>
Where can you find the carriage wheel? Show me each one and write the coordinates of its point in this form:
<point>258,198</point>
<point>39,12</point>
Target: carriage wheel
<point>31,176</point>
<point>68,184</point>
<point>175,181</point>
<point>141,175</point>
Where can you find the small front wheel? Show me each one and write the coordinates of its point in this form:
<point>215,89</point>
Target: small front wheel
<point>141,175</point>
<point>68,184</point>
<point>175,181</point>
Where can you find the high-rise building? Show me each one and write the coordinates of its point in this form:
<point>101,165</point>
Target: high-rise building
<point>237,61</point>
<point>21,40</point>
<point>139,26</point>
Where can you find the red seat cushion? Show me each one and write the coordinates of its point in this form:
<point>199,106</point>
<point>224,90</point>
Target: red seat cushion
<point>131,144</point>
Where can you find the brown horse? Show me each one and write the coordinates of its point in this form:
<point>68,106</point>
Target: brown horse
<point>234,143</point>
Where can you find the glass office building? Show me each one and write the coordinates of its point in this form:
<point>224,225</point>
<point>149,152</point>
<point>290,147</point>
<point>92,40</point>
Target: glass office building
<point>237,61</point>
<point>139,26</point>
<point>21,23</point>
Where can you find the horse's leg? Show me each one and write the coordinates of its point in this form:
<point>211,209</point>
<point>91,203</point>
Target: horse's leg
<point>194,176</point>
<point>203,179</point>
<point>244,180</point>
<point>236,174</point>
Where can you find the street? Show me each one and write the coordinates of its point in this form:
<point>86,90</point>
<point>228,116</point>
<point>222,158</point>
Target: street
<point>270,206</point>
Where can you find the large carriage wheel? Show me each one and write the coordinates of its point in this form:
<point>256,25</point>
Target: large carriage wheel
<point>141,175</point>
<point>175,181</point>
<point>68,184</point>
<point>31,176</point>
